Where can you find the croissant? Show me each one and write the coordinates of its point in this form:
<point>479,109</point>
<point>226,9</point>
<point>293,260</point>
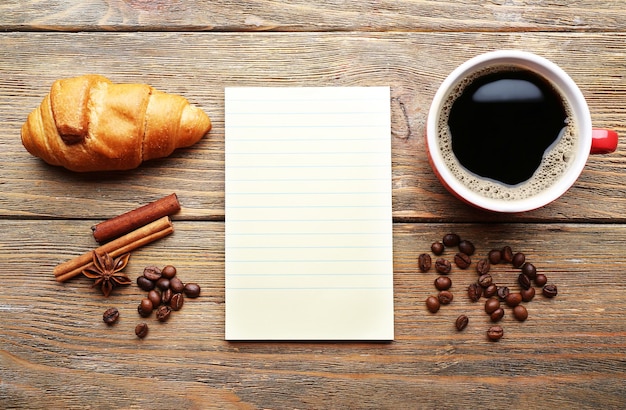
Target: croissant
<point>88,123</point>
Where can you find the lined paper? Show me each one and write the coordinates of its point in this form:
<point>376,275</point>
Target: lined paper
<point>308,214</point>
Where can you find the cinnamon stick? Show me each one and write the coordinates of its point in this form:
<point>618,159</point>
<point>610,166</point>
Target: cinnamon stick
<point>127,243</point>
<point>122,224</point>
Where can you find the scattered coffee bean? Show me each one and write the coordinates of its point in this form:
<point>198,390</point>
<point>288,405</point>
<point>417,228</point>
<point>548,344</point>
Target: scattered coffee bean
<point>495,333</point>
<point>192,290</point>
<point>527,294</point>
<point>177,301</point>
<point>111,316</point>
<point>443,283</point>
<point>437,248</point>
<point>163,313</point>
<point>451,239</point>
<point>524,281</point>
<point>483,266</point>
<point>141,330</point>
<point>503,291</point>
<point>145,307</point>
<point>443,266</point>
<point>518,259</point>
<point>445,297</point>
<point>491,290</point>
<point>152,272</point>
<point>550,291</point>
<point>495,256</point>
<point>474,292</point>
<point>467,247</point>
<point>529,270</point>
<point>506,254</point>
<point>520,313</point>
<point>424,262</point>
<point>176,285</point>
<point>461,322</point>
<point>155,297</point>
<point>145,283</point>
<point>485,280</point>
<point>163,283</point>
<point>541,279</point>
<point>491,305</point>
<point>462,260</point>
<point>168,272</point>
<point>497,315</point>
<point>166,296</point>
<point>513,299</point>
<point>432,304</point>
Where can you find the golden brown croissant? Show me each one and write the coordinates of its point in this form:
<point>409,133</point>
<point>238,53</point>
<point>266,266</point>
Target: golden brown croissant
<point>88,123</point>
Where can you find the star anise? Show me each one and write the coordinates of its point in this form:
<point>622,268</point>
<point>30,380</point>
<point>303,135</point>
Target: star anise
<point>106,271</point>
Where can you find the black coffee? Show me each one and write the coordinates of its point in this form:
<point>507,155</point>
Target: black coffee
<point>506,132</point>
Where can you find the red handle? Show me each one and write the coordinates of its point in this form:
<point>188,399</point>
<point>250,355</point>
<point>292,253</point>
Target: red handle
<point>603,141</point>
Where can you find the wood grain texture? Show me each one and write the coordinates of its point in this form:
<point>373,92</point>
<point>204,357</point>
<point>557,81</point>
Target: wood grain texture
<point>319,15</point>
<point>569,353</point>
<point>199,66</point>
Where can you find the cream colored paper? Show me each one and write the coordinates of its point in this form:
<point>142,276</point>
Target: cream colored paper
<point>308,214</point>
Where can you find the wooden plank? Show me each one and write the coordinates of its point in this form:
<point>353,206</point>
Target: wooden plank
<point>321,15</point>
<point>569,353</point>
<point>200,65</point>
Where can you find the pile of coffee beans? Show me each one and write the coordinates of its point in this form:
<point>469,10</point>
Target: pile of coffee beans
<point>166,293</point>
<point>497,297</point>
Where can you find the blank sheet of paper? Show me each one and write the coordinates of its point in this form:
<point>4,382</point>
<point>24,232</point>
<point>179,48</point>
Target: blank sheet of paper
<point>308,214</point>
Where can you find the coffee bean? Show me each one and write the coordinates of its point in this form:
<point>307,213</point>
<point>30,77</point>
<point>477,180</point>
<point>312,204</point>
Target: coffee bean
<point>503,291</point>
<point>155,297</point>
<point>445,297</point>
<point>467,247</point>
<point>491,290</point>
<point>462,260</point>
<point>437,248</point>
<point>424,262</point>
<point>520,313</point>
<point>495,333</point>
<point>494,256</point>
<point>145,283</point>
<point>541,279</point>
<point>513,299</point>
<point>451,239</point>
<point>168,272</point>
<point>497,315</point>
<point>163,283</point>
<point>443,266</point>
<point>111,316</point>
<point>443,283</point>
<point>483,266</point>
<point>474,292</point>
<point>141,330</point>
<point>485,280</point>
<point>145,307</point>
<point>177,301</point>
<point>491,305</point>
<point>524,281</point>
<point>432,304</point>
<point>176,285</point>
<point>518,259</point>
<point>529,270</point>
<point>152,272</point>
<point>192,290</point>
<point>506,254</point>
<point>166,296</point>
<point>550,291</point>
<point>527,294</point>
<point>163,313</point>
<point>461,322</point>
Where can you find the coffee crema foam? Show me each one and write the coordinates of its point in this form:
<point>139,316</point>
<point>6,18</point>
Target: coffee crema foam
<point>555,162</point>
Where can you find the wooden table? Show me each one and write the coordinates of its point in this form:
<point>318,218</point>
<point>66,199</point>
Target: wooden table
<point>55,350</point>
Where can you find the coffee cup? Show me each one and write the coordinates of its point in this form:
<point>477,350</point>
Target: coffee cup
<point>510,131</point>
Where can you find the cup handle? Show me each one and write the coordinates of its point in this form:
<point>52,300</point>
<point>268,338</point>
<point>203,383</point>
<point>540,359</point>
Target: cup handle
<point>603,141</point>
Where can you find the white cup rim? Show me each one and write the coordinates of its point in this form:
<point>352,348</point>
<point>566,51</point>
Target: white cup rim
<point>561,80</point>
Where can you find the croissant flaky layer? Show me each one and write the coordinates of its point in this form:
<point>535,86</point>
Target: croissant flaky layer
<point>88,123</point>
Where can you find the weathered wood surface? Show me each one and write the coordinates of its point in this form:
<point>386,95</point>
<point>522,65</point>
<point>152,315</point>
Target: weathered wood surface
<point>55,351</point>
